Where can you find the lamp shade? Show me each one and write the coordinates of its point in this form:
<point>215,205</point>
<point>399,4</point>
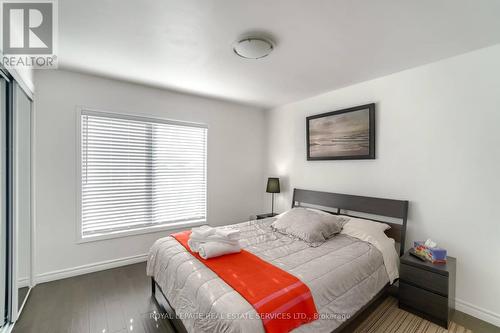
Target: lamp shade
<point>273,185</point>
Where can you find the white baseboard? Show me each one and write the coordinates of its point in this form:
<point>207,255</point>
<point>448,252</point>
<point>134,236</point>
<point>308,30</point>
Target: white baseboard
<point>478,312</point>
<point>23,282</point>
<point>89,268</point>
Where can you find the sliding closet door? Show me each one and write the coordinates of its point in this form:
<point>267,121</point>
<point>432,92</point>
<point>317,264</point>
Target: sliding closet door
<point>3,202</point>
<point>15,198</point>
<point>22,193</point>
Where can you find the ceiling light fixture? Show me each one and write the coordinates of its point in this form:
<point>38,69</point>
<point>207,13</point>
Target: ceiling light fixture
<point>253,47</point>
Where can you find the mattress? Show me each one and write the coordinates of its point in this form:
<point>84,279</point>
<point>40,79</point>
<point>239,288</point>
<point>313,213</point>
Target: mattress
<point>343,274</point>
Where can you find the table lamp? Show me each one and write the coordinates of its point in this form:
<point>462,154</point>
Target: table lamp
<point>273,186</point>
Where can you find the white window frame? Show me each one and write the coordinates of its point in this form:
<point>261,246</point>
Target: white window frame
<point>142,230</point>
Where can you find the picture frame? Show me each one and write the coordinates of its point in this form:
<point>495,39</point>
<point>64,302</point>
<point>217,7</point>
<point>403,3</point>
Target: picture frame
<point>347,134</point>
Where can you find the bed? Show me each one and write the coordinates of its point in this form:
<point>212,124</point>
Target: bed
<point>346,276</point>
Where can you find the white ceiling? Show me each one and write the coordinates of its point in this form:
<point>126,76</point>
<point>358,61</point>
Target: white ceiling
<point>322,45</point>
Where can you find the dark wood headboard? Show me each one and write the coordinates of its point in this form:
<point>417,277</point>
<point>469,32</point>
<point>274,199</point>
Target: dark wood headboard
<point>336,202</point>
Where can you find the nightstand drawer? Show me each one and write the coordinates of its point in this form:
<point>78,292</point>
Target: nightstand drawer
<point>422,278</point>
<point>423,301</point>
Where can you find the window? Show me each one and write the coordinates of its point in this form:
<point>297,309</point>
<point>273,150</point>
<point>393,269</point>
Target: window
<point>140,174</point>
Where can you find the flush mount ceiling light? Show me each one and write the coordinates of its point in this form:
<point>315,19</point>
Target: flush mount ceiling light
<point>253,47</point>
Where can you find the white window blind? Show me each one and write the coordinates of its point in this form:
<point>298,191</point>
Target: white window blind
<point>138,173</point>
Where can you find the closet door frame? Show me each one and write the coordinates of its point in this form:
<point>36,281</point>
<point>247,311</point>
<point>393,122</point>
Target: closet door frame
<point>8,195</point>
<point>15,308</point>
<point>11,274</point>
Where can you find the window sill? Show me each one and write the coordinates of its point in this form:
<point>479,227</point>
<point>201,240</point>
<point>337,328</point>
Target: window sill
<point>141,231</point>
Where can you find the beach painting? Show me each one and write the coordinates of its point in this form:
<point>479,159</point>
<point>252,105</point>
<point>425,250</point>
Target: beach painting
<point>343,134</point>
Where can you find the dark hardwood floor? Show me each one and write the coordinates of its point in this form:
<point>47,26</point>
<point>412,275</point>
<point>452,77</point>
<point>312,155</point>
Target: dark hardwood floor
<point>21,294</point>
<point>112,301</point>
<point>117,301</point>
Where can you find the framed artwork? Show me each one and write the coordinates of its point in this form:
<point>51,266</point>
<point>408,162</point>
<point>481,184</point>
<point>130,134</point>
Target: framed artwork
<point>347,134</point>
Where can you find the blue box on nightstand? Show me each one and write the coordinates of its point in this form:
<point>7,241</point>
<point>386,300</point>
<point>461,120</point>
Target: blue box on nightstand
<point>432,253</point>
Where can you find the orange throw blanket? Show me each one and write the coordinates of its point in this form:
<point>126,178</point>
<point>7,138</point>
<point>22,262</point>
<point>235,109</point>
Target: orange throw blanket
<point>282,301</point>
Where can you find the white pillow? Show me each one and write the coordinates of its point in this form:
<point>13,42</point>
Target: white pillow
<point>364,222</point>
<point>309,225</point>
<point>373,233</point>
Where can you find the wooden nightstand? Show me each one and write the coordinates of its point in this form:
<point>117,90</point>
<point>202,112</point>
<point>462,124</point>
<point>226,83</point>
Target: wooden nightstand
<point>426,289</point>
<point>265,216</point>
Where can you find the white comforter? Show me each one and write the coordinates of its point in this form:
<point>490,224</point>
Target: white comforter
<point>343,274</point>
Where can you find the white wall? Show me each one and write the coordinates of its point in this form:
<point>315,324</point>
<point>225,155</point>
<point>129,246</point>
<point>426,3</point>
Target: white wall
<point>236,152</point>
<point>438,145</point>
